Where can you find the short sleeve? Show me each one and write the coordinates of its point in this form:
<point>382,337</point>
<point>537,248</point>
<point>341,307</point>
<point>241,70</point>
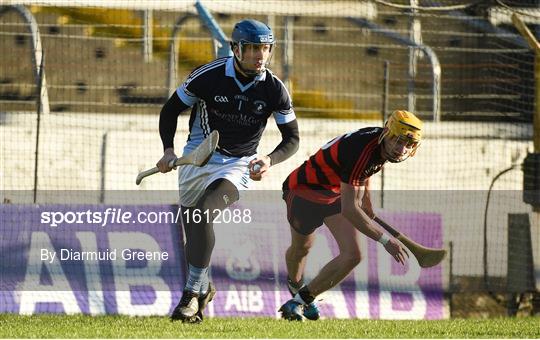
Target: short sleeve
<point>190,91</point>
<point>283,112</point>
<point>354,153</point>
<point>186,95</point>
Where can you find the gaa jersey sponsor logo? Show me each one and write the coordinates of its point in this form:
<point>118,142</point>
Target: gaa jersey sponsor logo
<point>221,99</point>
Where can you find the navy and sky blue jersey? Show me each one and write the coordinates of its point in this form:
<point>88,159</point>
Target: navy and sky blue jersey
<point>239,112</point>
<point>351,158</point>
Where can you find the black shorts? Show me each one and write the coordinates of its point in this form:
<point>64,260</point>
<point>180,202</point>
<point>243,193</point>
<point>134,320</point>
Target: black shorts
<point>305,216</point>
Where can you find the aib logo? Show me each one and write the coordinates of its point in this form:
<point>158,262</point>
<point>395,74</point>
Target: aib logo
<point>221,99</point>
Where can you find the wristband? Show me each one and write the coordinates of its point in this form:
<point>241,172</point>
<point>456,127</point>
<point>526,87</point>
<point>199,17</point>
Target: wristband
<point>384,239</point>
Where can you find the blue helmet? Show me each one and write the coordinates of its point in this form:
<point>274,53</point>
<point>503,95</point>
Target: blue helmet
<point>252,32</point>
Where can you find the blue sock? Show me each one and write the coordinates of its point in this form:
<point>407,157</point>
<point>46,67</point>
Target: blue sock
<point>196,278</point>
<point>204,283</point>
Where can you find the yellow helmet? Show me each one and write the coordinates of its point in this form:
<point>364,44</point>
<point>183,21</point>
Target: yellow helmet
<point>404,124</point>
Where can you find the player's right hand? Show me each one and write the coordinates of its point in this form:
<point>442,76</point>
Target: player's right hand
<point>258,167</point>
<point>393,247</point>
<point>163,163</point>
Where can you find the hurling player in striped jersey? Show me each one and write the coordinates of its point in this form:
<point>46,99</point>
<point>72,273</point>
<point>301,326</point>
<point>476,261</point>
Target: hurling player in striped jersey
<point>332,187</point>
<point>236,96</point>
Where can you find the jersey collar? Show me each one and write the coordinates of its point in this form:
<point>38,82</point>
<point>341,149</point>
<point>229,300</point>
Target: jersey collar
<point>230,72</point>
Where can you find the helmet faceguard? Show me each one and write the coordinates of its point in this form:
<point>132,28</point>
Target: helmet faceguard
<point>251,32</point>
<point>404,131</point>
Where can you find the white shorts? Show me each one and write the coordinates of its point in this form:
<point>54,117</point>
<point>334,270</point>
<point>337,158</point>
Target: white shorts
<point>193,180</point>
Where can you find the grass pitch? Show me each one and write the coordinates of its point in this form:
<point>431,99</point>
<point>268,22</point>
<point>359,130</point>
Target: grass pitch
<point>82,326</point>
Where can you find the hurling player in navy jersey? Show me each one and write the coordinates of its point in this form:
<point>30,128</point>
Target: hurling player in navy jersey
<point>235,96</point>
<point>331,187</point>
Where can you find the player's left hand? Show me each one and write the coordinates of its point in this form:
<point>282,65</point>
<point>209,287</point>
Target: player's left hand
<point>393,247</point>
<point>258,167</point>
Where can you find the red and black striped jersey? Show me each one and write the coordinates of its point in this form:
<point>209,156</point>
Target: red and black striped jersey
<point>351,158</point>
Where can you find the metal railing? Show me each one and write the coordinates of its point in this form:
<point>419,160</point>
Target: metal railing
<point>37,54</point>
<point>434,60</point>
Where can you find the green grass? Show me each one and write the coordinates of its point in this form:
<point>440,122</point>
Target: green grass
<point>81,326</point>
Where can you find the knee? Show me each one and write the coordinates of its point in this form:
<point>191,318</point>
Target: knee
<point>218,201</point>
<point>219,195</point>
<point>352,258</point>
<point>299,250</point>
